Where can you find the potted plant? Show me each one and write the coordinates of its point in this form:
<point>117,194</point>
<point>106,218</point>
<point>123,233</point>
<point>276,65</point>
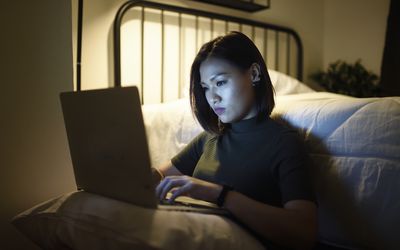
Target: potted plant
<point>348,79</point>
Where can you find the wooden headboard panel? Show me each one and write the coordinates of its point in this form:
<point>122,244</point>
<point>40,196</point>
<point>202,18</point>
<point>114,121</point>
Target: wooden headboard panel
<point>154,45</point>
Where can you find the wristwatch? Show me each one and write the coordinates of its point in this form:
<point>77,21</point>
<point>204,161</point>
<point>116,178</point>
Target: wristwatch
<point>222,195</point>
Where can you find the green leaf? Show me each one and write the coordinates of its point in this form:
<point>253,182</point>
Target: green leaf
<point>348,79</point>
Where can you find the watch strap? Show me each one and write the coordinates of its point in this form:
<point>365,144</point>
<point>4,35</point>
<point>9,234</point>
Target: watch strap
<point>222,195</point>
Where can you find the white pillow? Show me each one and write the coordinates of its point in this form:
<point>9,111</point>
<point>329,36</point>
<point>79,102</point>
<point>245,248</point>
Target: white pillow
<point>169,127</point>
<point>287,85</point>
<point>81,220</point>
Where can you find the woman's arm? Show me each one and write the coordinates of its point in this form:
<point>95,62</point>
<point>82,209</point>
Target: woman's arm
<point>293,226</point>
<point>167,169</point>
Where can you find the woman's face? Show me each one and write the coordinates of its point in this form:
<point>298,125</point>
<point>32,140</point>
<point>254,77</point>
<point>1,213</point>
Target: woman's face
<point>228,91</point>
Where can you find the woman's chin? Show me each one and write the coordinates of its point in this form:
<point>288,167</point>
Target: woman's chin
<point>223,119</point>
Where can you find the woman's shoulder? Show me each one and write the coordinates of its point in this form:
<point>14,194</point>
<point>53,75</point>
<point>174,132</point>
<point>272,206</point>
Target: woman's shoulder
<point>204,137</point>
<point>282,127</point>
<point>285,134</point>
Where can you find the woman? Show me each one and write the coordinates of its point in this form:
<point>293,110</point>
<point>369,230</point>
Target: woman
<point>243,161</point>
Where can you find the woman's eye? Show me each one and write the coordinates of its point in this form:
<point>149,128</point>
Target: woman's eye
<point>220,83</point>
<point>204,88</point>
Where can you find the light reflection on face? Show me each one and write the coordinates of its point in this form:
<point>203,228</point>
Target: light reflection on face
<point>228,90</point>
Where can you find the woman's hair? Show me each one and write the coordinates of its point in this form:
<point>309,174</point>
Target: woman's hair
<point>238,50</point>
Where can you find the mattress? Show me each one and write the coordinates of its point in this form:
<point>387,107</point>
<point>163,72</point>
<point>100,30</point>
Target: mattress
<point>354,143</point>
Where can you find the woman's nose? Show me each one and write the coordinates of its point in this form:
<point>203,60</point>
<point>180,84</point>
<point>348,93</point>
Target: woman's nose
<point>214,96</point>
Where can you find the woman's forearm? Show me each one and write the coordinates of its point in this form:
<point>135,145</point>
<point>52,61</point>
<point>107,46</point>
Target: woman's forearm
<point>168,169</point>
<point>293,226</point>
<point>165,170</point>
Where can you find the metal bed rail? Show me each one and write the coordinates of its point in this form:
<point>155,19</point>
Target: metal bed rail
<point>202,14</point>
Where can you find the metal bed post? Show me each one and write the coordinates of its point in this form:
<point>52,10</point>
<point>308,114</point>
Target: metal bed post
<point>79,45</point>
<point>241,21</point>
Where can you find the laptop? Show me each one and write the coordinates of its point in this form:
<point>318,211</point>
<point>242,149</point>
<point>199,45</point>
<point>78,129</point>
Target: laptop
<point>109,150</point>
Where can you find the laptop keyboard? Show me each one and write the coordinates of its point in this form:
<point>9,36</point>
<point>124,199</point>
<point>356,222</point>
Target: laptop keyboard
<point>187,202</point>
<point>175,203</point>
<point>192,205</point>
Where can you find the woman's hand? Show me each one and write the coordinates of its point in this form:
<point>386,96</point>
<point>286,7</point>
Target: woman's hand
<point>157,175</point>
<point>188,186</point>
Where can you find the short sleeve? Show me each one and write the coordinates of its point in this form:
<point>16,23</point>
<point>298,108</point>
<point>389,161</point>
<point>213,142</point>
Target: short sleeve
<point>293,170</point>
<point>185,161</point>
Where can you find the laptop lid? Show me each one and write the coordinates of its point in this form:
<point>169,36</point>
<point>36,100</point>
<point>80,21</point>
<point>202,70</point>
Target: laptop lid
<point>108,144</point>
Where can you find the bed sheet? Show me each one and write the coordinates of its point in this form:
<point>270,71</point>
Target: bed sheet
<point>331,124</point>
<point>355,143</point>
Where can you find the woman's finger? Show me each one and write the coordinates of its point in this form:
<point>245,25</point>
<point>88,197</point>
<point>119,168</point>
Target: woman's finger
<point>162,184</point>
<point>176,182</point>
<point>180,191</point>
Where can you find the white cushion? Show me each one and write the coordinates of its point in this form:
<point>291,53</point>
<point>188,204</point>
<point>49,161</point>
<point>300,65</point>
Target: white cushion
<point>81,220</point>
<point>287,85</point>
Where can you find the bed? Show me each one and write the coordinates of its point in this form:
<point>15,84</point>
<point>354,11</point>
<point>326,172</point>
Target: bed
<point>354,141</point>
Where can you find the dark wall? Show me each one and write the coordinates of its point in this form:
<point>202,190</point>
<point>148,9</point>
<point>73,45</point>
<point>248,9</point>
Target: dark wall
<point>36,64</point>
<point>390,71</point>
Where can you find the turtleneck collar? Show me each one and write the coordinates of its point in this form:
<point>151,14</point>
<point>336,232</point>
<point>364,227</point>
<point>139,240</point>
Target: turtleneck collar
<point>249,125</point>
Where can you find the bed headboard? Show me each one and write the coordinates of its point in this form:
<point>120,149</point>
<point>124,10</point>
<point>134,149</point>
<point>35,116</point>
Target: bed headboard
<point>154,45</point>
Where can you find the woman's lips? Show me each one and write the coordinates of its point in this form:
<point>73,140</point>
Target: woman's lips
<point>219,111</point>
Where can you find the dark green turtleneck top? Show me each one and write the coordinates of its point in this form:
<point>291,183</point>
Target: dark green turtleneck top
<point>263,160</point>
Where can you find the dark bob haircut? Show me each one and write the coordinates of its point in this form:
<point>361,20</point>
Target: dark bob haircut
<point>238,50</point>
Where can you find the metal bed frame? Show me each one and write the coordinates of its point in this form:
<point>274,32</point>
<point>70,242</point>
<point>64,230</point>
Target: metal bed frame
<point>290,33</point>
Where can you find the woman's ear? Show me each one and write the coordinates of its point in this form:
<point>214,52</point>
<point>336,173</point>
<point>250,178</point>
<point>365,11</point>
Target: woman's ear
<point>255,73</point>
